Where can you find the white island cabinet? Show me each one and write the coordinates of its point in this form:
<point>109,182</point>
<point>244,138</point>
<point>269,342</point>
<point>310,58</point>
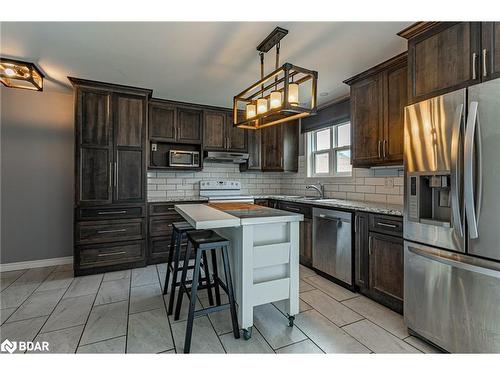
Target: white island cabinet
<point>264,253</point>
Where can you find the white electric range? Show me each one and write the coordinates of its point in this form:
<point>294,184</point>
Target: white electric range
<point>223,191</point>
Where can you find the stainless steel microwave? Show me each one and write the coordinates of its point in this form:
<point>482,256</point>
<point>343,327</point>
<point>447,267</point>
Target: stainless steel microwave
<point>179,158</point>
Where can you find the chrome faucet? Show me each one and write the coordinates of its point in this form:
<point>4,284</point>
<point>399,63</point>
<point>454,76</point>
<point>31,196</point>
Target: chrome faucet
<point>320,189</point>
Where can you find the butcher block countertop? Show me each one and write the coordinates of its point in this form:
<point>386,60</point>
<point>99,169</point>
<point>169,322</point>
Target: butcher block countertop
<point>223,215</point>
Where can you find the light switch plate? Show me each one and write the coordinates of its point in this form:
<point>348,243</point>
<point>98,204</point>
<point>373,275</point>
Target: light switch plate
<point>389,182</point>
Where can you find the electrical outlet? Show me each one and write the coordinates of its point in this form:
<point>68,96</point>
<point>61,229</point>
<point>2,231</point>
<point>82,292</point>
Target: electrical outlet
<point>154,147</point>
<point>389,182</point>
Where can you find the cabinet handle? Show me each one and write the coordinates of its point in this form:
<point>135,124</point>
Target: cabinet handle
<point>379,152</point>
<point>116,172</point>
<point>111,212</point>
<point>474,58</point>
<point>110,174</point>
<point>388,225</point>
<point>384,148</point>
<point>111,231</point>
<point>369,246</point>
<point>485,73</point>
<point>294,209</point>
<point>110,254</point>
<point>356,220</point>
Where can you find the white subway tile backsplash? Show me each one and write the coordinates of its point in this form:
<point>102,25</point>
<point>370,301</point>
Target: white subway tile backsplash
<point>361,186</point>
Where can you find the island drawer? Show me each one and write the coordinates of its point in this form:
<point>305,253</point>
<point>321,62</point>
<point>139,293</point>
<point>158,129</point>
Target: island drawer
<point>104,213</point>
<point>303,209</point>
<point>110,254</point>
<point>391,225</point>
<point>89,232</point>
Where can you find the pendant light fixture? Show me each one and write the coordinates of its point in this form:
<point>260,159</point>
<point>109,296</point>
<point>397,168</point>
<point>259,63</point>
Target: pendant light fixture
<point>20,74</point>
<point>274,99</point>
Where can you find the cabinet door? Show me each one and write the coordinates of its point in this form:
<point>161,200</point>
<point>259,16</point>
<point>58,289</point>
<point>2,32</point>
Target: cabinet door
<point>306,242</point>
<point>366,118</point>
<point>444,59</point>
<point>361,259</point>
<point>162,122</point>
<point>490,54</point>
<point>94,148</point>
<point>386,267</point>
<point>236,137</point>
<point>129,174</point>
<point>189,125</point>
<point>272,148</point>
<point>214,137</point>
<point>395,94</point>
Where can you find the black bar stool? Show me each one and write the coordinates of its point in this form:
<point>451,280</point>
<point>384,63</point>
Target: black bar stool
<point>179,230</point>
<point>203,241</point>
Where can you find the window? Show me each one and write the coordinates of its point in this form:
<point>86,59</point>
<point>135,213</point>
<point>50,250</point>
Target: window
<point>329,151</point>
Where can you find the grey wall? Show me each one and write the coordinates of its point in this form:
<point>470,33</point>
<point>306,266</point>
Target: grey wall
<point>37,163</point>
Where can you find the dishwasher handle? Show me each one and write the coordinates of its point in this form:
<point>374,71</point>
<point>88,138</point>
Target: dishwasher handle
<point>336,219</point>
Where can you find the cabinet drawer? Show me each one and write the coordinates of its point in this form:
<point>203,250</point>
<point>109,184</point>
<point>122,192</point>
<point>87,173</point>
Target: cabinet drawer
<point>162,225</point>
<point>104,213</point>
<point>386,224</point>
<point>162,209</point>
<point>88,232</point>
<point>110,254</point>
<point>298,208</point>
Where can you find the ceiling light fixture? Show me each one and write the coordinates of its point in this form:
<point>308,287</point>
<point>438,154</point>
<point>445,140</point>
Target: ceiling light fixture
<point>274,99</point>
<point>20,74</point>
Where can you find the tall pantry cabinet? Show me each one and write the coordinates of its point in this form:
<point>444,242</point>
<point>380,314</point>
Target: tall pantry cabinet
<point>110,176</point>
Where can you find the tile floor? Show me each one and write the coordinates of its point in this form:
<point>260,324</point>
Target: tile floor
<point>125,312</point>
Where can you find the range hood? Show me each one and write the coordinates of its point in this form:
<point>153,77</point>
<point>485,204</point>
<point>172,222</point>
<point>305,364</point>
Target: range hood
<point>225,157</point>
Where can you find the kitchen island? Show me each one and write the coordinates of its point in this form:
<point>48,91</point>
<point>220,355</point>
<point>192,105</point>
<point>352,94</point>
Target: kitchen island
<point>264,253</point>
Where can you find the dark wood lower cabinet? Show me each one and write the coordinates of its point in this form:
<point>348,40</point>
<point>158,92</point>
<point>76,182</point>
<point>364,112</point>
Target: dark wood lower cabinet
<point>305,251</point>
<point>378,257</point>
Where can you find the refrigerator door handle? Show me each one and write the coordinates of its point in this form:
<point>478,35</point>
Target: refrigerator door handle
<point>455,172</point>
<point>482,266</point>
<point>473,199</point>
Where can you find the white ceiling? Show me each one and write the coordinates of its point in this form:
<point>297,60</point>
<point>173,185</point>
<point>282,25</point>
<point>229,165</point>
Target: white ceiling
<point>205,63</point>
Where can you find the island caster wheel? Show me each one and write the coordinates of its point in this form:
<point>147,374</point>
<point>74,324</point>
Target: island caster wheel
<point>291,318</point>
<point>247,333</point>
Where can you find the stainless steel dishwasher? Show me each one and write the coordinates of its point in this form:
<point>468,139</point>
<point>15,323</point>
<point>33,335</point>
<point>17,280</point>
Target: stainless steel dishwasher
<point>332,243</point>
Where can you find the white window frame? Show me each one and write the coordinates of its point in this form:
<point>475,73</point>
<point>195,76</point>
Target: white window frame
<point>311,152</point>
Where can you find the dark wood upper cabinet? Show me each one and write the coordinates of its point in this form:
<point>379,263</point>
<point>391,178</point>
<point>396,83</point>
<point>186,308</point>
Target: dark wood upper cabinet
<point>366,120</point>
<point>280,147</point>
<point>129,121</point>
<point>189,125</point>
<point>490,50</point>
<point>386,266</point>
<point>236,137</point>
<point>442,57</point>
<point>214,130</point>
<point>221,135</point>
<point>378,98</point>
<point>162,121</point>
<point>395,94</point>
<point>94,118</point>
<point>110,126</point>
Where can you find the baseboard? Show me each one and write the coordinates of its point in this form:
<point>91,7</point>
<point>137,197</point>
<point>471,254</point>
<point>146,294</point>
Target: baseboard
<point>35,264</point>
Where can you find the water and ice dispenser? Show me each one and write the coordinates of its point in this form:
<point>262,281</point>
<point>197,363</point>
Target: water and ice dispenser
<point>429,199</point>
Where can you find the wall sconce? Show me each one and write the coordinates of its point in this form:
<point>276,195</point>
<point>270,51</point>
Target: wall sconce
<point>20,74</point>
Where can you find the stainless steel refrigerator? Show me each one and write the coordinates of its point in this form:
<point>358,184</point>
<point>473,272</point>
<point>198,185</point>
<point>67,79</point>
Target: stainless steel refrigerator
<point>452,219</point>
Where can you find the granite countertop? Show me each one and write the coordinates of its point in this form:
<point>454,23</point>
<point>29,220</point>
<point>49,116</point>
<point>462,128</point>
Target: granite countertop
<point>176,199</point>
<point>374,207</point>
